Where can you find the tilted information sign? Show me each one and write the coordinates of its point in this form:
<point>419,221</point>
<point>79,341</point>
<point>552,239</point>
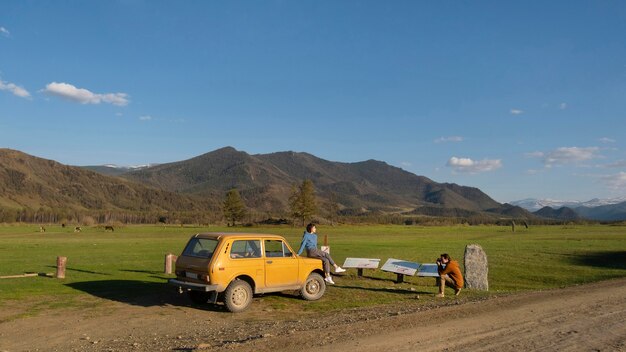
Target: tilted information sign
<point>428,270</point>
<point>400,266</point>
<point>361,263</point>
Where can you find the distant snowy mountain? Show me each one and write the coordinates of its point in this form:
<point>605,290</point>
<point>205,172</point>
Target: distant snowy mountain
<point>533,205</point>
<point>116,170</point>
<point>130,167</point>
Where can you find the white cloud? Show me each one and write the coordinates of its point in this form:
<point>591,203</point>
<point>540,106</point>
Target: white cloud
<point>570,155</point>
<point>617,181</point>
<point>607,140</point>
<point>406,164</point>
<point>15,89</point>
<point>454,139</point>
<point>84,96</point>
<point>5,32</point>
<point>470,166</point>
<point>145,118</point>
<point>516,111</point>
<point>563,106</point>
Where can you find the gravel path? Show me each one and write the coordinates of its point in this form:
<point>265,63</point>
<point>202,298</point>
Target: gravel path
<point>588,317</point>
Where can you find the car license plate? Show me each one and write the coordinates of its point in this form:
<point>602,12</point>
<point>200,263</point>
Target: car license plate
<point>191,275</point>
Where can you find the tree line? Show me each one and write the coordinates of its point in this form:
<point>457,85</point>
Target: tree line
<point>303,206</point>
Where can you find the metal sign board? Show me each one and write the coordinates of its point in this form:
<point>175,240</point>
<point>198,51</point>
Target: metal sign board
<point>428,270</point>
<point>400,266</point>
<point>361,263</point>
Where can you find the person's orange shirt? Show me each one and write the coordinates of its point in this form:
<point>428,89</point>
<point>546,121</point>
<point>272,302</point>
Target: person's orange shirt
<point>453,270</point>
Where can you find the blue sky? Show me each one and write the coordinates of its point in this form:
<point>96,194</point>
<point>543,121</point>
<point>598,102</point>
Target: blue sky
<point>520,99</point>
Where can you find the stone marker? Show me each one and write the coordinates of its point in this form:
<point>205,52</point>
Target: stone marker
<point>476,268</point>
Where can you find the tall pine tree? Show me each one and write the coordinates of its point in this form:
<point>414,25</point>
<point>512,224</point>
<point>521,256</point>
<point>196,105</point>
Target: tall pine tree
<point>234,208</point>
<point>302,202</point>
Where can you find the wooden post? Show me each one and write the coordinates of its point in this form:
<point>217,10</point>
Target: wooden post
<point>61,263</point>
<point>326,240</point>
<point>17,276</point>
<point>170,260</point>
<point>359,272</point>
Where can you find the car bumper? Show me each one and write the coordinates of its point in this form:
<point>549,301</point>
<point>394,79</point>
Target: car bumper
<point>192,286</point>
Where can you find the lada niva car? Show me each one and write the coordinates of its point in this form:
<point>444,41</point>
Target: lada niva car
<point>231,267</point>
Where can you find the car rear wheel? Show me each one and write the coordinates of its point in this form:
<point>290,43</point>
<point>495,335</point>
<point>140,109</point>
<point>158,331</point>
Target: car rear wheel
<point>238,296</point>
<point>314,287</point>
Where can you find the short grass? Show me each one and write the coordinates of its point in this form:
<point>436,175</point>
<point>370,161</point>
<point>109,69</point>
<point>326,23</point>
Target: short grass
<point>127,264</point>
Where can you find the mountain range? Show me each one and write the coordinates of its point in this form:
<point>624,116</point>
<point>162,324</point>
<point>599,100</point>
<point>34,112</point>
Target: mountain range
<point>533,204</point>
<point>611,209</point>
<point>265,182</point>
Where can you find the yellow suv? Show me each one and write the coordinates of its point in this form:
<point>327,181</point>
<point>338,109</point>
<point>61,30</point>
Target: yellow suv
<point>231,267</point>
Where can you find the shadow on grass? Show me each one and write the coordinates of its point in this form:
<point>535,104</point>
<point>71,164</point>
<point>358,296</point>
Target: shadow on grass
<point>607,260</point>
<point>139,293</point>
<point>143,271</point>
<point>402,291</point>
<point>411,280</point>
<point>81,270</point>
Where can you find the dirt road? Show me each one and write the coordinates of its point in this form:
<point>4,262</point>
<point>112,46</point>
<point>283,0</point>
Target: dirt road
<point>582,318</point>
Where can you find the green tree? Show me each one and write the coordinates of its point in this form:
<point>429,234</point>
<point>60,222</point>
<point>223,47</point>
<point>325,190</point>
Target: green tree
<point>302,202</point>
<point>234,208</point>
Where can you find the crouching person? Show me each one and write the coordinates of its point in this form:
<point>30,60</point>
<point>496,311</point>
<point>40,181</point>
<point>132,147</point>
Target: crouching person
<point>309,242</point>
<point>450,275</point>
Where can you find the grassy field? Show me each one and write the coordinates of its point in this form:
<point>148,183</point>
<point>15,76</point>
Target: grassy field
<point>128,264</point>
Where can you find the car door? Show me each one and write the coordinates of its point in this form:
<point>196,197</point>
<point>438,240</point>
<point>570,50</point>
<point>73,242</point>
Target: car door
<point>245,258</point>
<point>281,265</point>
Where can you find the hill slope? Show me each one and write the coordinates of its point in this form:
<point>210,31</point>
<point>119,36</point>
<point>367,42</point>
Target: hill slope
<point>30,182</point>
<point>612,212</point>
<point>563,213</point>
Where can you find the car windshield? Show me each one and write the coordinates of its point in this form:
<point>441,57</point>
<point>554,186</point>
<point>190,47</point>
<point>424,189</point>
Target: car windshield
<point>200,247</point>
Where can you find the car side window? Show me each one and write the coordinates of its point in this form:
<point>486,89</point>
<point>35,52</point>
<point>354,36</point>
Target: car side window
<point>277,248</point>
<point>245,249</point>
<point>200,247</point>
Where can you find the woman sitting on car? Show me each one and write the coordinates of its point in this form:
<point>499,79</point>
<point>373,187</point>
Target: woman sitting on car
<point>309,242</point>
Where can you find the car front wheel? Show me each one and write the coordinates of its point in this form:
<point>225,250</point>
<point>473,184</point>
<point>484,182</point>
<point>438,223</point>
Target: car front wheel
<point>238,296</point>
<point>314,287</point>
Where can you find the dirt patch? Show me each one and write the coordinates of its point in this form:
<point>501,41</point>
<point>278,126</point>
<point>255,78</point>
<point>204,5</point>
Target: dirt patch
<point>587,317</point>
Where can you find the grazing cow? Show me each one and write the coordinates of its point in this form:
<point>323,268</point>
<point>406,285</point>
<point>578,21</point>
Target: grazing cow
<point>106,228</point>
<point>77,229</point>
<point>42,229</point>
